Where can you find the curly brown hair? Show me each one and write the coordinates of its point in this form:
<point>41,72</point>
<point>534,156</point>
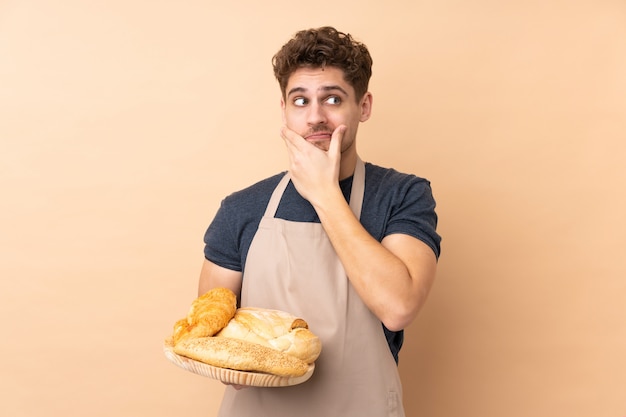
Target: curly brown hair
<point>321,47</point>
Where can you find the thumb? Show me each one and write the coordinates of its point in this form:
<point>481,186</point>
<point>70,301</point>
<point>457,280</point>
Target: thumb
<point>334,148</point>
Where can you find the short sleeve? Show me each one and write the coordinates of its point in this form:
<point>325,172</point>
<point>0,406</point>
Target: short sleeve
<point>228,237</point>
<point>220,242</point>
<point>414,214</point>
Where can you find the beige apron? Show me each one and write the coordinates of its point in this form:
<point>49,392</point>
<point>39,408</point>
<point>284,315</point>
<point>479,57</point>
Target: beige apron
<point>291,266</point>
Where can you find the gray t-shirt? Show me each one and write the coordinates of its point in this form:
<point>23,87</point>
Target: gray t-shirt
<point>393,202</point>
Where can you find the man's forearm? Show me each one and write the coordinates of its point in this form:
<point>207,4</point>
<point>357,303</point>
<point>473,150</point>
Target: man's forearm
<point>393,290</point>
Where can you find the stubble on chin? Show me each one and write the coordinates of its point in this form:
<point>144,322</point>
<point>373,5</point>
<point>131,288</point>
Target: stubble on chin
<point>321,144</point>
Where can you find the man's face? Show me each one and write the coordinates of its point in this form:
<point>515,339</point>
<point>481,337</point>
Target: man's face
<point>317,100</point>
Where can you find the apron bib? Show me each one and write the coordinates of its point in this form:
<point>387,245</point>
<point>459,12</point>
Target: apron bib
<point>292,266</point>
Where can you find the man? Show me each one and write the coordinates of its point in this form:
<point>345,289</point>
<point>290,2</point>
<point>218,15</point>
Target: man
<point>350,247</point>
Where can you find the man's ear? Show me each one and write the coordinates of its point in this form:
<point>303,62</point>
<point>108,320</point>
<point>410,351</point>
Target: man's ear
<point>366,106</point>
<point>282,110</point>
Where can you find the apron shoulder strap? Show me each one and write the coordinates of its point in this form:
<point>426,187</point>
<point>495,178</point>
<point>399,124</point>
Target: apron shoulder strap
<point>272,206</point>
<point>356,195</point>
<point>358,188</point>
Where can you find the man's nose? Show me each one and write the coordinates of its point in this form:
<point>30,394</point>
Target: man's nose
<point>316,114</point>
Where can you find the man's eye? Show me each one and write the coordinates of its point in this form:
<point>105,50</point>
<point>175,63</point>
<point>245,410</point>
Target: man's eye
<point>333,100</point>
<point>300,101</point>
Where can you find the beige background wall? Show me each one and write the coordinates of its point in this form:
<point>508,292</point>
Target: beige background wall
<point>124,123</point>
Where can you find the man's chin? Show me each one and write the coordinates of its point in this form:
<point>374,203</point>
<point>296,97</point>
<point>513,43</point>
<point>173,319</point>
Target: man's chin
<point>322,144</point>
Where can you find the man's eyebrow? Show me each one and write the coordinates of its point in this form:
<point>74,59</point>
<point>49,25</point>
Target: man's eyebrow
<point>296,90</point>
<point>333,88</point>
<point>325,88</point>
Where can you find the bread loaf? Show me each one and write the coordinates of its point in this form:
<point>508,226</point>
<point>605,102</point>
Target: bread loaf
<point>275,329</point>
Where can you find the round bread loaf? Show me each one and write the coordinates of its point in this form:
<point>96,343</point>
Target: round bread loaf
<point>275,329</point>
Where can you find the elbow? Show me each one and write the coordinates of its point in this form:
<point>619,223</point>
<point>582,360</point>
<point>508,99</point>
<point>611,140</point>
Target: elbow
<point>400,317</point>
<point>399,314</point>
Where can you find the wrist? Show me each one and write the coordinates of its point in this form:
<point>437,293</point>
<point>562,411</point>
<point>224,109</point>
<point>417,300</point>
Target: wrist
<point>330,204</point>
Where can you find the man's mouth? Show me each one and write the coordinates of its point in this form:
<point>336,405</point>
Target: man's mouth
<point>318,136</point>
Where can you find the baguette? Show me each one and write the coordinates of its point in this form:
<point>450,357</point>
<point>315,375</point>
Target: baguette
<point>225,352</point>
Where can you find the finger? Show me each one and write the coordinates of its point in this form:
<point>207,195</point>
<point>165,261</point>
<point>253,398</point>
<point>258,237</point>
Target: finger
<point>334,148</point>
<point>291,144</point>
<point>290,137</point>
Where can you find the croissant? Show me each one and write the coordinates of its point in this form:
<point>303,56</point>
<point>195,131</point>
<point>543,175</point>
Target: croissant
<point>207,315</point>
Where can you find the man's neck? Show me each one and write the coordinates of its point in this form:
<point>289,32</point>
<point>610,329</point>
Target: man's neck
<point>348,164</point>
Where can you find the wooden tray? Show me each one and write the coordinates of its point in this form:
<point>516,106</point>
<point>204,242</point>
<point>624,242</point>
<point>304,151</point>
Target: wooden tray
<point>231,376</point>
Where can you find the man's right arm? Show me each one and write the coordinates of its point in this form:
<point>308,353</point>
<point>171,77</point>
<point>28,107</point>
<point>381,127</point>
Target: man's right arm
<point>212,276</point>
